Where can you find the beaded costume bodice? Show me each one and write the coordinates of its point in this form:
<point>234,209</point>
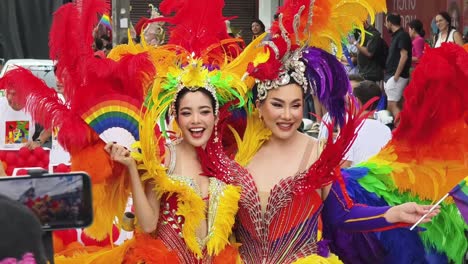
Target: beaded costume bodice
<point>287,230</point>
<point>182,210</point>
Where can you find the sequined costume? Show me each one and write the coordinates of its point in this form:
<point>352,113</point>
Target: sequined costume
<point>408,168</point>
<point>182,65</point>
<point>182,208</point>
<point>287,231</point>
<point>176,225</point>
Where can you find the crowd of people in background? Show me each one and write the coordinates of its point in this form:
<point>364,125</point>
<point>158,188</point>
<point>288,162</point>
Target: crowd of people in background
<point>390,64</point>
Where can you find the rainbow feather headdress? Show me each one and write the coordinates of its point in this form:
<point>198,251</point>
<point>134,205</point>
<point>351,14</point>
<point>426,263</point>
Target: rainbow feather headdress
<point>302,41</point>
<point>196,57</point>
<point>224,87</point>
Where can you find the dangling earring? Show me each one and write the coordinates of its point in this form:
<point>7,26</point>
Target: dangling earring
<point>260,116</point>
<point>216,139</point>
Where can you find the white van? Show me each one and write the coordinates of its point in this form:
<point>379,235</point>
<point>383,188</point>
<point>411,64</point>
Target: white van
<point>43,69</point>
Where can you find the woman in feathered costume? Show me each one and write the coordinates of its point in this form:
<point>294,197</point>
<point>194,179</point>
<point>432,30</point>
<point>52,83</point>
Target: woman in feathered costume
<point>192,215</point>
<point>286,185</point>
<point>191,77</point>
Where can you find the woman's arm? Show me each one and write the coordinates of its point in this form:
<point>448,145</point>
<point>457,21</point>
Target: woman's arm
<point>458,39</point>
<point>144,198</point>
<point>341,212</point>
<point>418,49</point>
<point>2,170</point>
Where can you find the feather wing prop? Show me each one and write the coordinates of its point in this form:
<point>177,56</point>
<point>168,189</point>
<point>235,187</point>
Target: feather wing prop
<point>45,107</point>
<point>197,25</point>
<point>85,77</point>
<point>86,150</point>
<point>320,23</point>
<point>428,154</point>
<point>334,19</point>
<point>70,40</point>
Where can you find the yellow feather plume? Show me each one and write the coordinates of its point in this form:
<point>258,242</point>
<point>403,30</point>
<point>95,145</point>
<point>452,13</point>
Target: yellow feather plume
<point>238,66</point>
<point>262,57</point>
<point>109,201</point>
<point>334,19</point>
<point>224,219</point>
<point>254,136</point>
<point>316,259</point>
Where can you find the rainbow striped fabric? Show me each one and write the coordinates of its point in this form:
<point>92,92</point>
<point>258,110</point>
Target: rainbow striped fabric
<point>460,196</point>
<point>106,21</point>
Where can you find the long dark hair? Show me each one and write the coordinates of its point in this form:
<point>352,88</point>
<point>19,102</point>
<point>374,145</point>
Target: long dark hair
<point>185,91</point>
<point>258,21</point>
<point>447,18</point>
<point>417,26</point>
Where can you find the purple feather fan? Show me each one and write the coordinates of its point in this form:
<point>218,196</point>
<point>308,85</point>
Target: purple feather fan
<point>327,77</point>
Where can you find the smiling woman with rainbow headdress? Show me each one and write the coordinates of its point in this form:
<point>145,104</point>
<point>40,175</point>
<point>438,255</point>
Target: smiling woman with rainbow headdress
<point>182,216</point>
<point>287,185</point>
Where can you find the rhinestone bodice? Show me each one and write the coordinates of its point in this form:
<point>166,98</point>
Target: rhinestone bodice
<point>286,231</point>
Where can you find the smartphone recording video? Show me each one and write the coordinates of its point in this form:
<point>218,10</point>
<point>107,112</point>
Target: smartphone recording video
<point>60,201</point>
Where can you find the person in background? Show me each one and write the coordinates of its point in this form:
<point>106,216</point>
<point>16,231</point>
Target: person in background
<point>416,32</point>
<point>39,135</point>
<point>21,234</point>
<point>257,28</point>
<point>124,40</point>
<point>16,126</point>
<point>354,80</point>
<point>106,43</point>
<point>98,45</point>
<point>373,134</point>
<point>233,50</point>
<point>398,62</point>
<point>446,32</point>
<point>349,58</point>
<point>368,54</point>
<point>2,169</point>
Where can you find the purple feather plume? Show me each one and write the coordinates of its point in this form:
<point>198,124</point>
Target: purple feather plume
<point>329,81</point>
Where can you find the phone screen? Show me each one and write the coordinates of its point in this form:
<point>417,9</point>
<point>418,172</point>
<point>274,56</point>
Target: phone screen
<point>60,201</point>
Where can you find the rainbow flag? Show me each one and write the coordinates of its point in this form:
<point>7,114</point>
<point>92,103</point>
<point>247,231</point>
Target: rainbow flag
<point>460,197</point>
<point>106,21</point>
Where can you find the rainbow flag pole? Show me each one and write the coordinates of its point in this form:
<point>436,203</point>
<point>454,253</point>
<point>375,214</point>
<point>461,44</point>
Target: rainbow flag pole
<point>430,211</point>
<point>106,21</point>
<point>460,196</point>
